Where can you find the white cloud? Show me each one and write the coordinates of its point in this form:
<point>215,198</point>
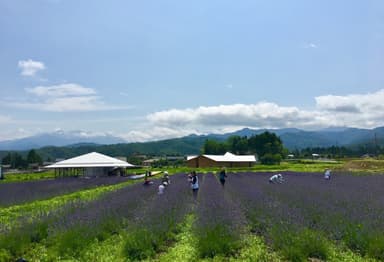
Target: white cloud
<point>30,67</point>
<point>256,115</point>
<point>364,103</point>
<point>61,90</point>
<point>354,110</point>
<point>156,133</point>
<point>4,119</point>
<point>310,45</point>
<point>63,98</point>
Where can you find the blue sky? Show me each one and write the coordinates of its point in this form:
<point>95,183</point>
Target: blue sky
<point>149,70</point>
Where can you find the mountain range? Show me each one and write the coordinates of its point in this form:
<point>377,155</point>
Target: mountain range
<point>292,139</point>
<point>59,138</point>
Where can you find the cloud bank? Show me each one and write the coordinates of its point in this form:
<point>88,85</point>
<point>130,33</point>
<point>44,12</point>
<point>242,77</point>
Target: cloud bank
<point>355,110</point>
<point>69,97</point>
<point>30,67</point>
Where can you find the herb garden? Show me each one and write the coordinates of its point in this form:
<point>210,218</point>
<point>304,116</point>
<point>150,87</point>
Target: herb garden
<point>306,218</point>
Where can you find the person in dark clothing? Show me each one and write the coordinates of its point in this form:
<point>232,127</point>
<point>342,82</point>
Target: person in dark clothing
<point>222,176</point>
<point>194,184</point>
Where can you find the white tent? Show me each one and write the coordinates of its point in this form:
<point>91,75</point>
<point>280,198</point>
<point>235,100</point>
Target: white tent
<point>91,164</point>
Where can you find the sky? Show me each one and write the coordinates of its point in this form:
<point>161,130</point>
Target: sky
<point>151,70</point>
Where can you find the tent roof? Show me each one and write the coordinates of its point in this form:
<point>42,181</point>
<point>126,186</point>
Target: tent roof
<point>228,157</point>
<point>93,159</point>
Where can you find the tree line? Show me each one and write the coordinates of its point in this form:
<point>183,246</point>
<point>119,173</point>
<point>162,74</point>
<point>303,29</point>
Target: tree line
<point>267,146</point>
<point>16,160</point>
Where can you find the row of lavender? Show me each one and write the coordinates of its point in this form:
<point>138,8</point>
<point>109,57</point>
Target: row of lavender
<point>219,221</point>
<point>22,192</point>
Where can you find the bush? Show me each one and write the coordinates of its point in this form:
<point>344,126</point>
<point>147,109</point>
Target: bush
<point>376,247</point>
<point>356,238</point>
<point>270,159</point>
<point>15,242</point>
<point>301,245</point>
<point>72,241</point>
<point>217,240</point>
<point>139,244</point>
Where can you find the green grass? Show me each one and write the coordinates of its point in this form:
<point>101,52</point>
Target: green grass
<point>27,176</point>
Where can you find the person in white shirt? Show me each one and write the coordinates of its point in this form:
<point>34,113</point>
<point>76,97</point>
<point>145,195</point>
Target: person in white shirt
<point>327,174</point>
<point>161,189</point>
<point>278,178</point>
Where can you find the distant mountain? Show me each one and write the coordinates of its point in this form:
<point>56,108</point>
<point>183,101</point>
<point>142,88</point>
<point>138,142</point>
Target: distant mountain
<point>294,138</point>
<point>59,138</point>
<point>67,144</point>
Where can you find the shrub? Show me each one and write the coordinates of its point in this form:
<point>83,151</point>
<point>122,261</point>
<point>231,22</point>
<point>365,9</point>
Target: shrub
<point>356,238</point>
<point>270,159</point>
<point>72,241</point>
<point>217,240</point>
<point>301,245</point>
<point>16,241</point>
<point>376,247</point>
<point>139,244</point>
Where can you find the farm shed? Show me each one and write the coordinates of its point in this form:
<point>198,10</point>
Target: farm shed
<point>91,164</point>
<point>227,160</point>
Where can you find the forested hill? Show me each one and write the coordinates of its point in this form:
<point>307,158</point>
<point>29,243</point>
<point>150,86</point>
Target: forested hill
<point>177,147</point>
<point>291,138</point>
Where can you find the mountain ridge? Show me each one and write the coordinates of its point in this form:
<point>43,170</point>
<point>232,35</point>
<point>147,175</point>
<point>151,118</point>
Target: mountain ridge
<point>292,138</point>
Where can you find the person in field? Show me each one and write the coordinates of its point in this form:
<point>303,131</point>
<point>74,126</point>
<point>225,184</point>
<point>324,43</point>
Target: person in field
<point>147,182</point>
<point>194,184</point>
<point>327,174</point>
<point>166,181</point>
<point>161,189</point>
<point>276,179</point>
<point>222,176</point>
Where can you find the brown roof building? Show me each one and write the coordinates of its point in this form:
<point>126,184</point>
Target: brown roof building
<point>227,160</point>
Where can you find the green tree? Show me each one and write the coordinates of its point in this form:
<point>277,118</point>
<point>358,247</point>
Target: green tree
<point>34,158</point>
<point>268,146</point>
<point>213,147</point>
<point>15,160</point>
<point>237,144</point>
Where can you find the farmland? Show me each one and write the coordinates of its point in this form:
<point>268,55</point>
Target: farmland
<point>248,219</point>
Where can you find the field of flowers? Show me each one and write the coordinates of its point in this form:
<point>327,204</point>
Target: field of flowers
<point>248,219</point>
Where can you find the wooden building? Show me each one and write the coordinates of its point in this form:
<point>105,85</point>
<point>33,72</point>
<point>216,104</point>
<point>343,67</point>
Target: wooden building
<point>226,160</point>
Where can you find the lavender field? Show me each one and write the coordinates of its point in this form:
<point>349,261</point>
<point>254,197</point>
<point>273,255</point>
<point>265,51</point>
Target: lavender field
<point>247,219</point>
<point>20,192</point>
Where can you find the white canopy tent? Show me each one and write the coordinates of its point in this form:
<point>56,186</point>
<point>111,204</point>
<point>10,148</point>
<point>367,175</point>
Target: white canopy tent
<point>91,164</point>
